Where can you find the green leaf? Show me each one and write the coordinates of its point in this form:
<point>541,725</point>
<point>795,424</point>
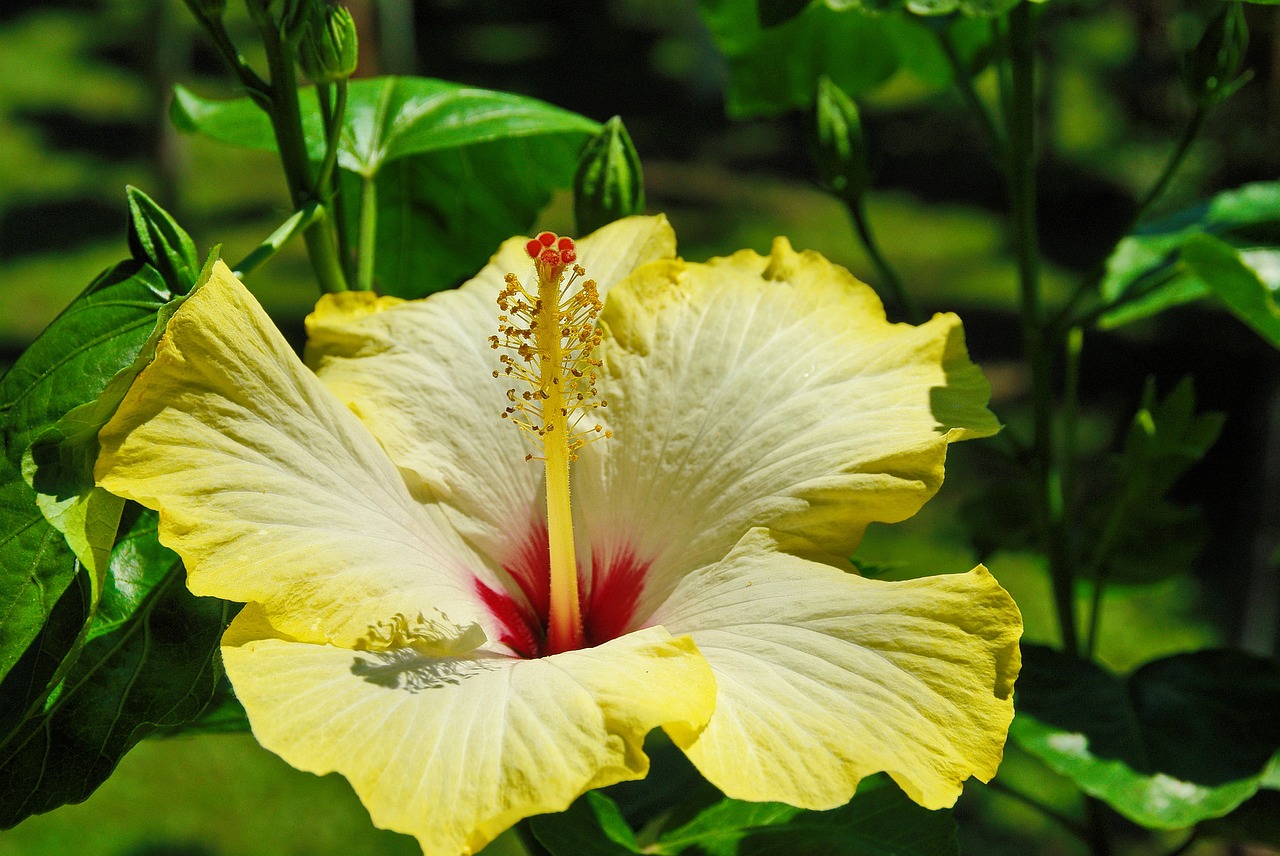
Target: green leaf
<point>119,325</point>
<point>420,140</point>
<point>592,826</point>
<point>38,566</point>
<point>156,239</point>
<point>775,12</point>
<point>1166,438</point>
<point>151,663</point>
<point>1256,821</point>
<point>1138,535</point>
<point>224,715</point>
<point>431,237</point>
<point>1182,739</point>
<point>777,69</point>
<point>69,365</point>
<point>1224,269</point>
<point>674,789</point>
<point>1145,275</point>
<point>879,821</point>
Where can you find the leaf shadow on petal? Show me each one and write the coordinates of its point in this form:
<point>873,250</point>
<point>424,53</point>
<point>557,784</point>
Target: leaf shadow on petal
<point>406,669</point>
<point>426,653</point>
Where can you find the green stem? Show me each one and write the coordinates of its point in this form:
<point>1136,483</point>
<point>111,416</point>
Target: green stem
<point>964,84</point>
<point>1089,283</point>
<point>892,282</point>
<point>1070,824</point>
<point>1070,438</point>
<point>1039,346</point>
<point>286,122</point>
<point>277,239</point>
<point>1175,160</point>
<point>368,233</point>
<point>334,115</point>
<point>249,79</point>
<point>1097,569</point>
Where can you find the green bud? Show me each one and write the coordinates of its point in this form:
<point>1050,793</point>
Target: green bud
<point>609,183</point>
<point>328,51</point>
<point>292,17</point>
<point>1211,70</point>
<point>839,148</point>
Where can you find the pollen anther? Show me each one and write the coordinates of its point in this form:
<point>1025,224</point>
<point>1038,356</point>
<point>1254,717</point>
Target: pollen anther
<point>549,365</point>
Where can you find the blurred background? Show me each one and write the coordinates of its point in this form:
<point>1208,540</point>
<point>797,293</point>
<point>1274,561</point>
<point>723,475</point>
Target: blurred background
<point>84,91</point>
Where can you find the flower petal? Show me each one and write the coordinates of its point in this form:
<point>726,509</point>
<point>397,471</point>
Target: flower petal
<point>825,677</point>
<point>268,487</point>
<point>420,376</point>
<point>757,391</point>
<point>454,751</point>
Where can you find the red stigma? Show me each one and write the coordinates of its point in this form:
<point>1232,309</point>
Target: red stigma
<point>552,252</point>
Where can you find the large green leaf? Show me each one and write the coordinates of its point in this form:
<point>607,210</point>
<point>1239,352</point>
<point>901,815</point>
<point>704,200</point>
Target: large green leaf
<point>38,566</point>
<point>151,663</point>
<point>776,69</point>
<point>592,826</point>
<point>99,335</point>
<point>1182,739</point>
<point>1229,275</point>
<point>457,169</point>
<point>1145,274</point>
<point>879,821</point>
<point>1256,821</point>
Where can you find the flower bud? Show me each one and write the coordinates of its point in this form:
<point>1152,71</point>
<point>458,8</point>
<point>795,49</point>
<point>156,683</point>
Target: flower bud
<point>1210,70</point>
<point>609,183</point>
<point>328,51</point>
<point>839,148</point>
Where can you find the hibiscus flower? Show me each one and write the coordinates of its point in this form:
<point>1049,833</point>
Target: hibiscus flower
<point>430,614</point>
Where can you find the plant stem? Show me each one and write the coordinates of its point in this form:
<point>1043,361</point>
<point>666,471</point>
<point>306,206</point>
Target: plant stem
<point>1070,439</point>
<point>277,239</point>
<point>1039,347</point>
<point>1089,283</point>
<point>365,251</point>
<point>888,276</point>
<point>964,84</point>
<point>334,114</point>
<point>1175,160</point>
<point>226,49</point>
<point>286,122</point>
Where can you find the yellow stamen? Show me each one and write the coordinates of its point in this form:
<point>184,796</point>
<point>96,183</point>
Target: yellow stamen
<point>550,336</point>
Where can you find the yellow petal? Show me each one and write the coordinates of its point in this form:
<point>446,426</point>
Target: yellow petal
<point>825,677</point>
<point>766,391</point>
<point>269,488</point>
<point>453,750</point>
<point>420,376</point>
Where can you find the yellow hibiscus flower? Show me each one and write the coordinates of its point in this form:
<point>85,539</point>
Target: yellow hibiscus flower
<point>427,614</point>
